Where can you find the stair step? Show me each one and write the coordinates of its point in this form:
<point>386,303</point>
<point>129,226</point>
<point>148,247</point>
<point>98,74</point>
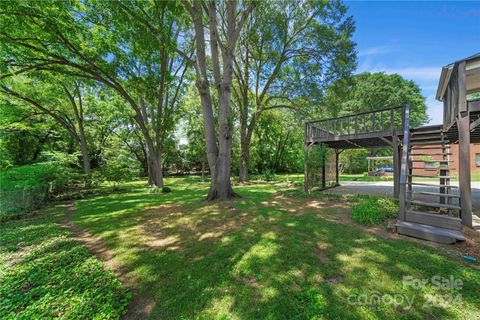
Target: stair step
<point>433,204</point>
<point>432,154</point>
<point>430,148</point>
<point>434,185</point>
<point>425,137</point>
<point>430,160</point>
<point>431,169</point>
<point>430,176</point>
<point>438,131</point>
<point>432,219</point>
<point>432,233</point>
<point>425,143</point>
<point>438,194</point>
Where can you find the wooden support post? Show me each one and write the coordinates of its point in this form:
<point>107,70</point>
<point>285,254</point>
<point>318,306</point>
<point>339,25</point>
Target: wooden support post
<point>404,163</point>
<point>464,175</point>
<point>463,124</point>
<point>396,166</point>
<point>305,168</point>
<point>337,175</point>
<point>324,181</point>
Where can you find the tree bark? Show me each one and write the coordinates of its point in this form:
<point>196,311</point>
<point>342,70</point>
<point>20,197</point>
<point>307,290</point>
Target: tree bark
<point>155,174</point>
<point>219,157</point>
<point>85,156</point>
<point>244,159</point>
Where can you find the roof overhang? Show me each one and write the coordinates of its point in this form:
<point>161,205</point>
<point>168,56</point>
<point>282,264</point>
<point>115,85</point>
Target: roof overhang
<point>472,66</point>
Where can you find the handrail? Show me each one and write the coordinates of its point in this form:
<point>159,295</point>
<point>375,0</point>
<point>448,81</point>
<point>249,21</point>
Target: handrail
<point>357,114</point>
<point>355,124</point>
<point>404,164</point>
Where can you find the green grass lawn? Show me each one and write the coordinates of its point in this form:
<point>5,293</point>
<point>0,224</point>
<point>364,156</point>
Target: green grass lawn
<point>267,256</point>
<point>45,274</point>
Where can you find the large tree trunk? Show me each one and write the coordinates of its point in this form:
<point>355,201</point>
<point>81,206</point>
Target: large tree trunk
<point>155,174</point>
<point>205,97</point>
<point>85,156</point>
<point>246,132</point>
<point>244,159</point>
<point>219,160</point>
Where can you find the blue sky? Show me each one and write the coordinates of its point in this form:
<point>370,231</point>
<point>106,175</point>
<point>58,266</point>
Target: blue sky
<point>415,39</point>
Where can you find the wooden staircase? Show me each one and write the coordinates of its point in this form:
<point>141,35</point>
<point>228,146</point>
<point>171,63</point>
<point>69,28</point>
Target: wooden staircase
<point>430,208</point>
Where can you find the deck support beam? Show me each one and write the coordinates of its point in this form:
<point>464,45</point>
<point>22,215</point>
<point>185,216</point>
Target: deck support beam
<point>305,169</point>
<point>396,166</point>
<point>463,124</point>
<point>337,163</point>
<point>464,175</point>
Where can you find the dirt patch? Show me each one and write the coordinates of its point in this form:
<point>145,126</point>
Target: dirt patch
<point>139,307</point>
<point>471,246</point>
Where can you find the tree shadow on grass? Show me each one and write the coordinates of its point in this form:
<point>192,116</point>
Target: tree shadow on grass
<point>256,259</point>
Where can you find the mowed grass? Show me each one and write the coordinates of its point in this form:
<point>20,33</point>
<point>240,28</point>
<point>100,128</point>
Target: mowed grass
<point>45,274</point>
<point>267,256</point>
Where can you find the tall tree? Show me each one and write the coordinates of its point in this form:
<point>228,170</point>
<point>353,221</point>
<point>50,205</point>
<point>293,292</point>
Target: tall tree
<point>370,91</point>
<point>107,42</point>
<point>60,99</point>
<point>289,52</point>
<point>224,24</point>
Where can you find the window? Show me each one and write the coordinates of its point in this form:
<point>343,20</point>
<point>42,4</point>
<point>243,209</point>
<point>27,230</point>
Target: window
<point>477,159</point>
<point>430,165</point>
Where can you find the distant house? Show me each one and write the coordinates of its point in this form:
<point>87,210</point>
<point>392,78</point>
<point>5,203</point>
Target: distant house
<point>431,166</point>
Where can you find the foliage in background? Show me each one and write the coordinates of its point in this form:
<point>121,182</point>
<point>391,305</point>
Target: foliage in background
<point>278,143</point>
<point>317,157</point>
<point>24,188</point>
<point>374,210</point>
<point>55,173</point>
<point>372,91</point>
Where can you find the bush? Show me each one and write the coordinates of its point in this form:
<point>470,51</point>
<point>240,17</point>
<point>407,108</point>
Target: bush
<point>115,172</point>
<point>374,210</point>
<point>268,175</point>
<point>159,190</point>
<point>26,187</point>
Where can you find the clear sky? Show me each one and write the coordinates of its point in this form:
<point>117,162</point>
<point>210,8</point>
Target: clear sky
<point>415,39</point>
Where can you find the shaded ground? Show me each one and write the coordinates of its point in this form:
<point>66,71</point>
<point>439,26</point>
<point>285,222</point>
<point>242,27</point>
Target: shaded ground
<point>139,305</point>
<point>265,256</point>
<point>45,274</point>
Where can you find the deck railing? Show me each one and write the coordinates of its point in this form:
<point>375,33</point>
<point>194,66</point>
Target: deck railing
<point>381,120</point>
<point>404,163</point>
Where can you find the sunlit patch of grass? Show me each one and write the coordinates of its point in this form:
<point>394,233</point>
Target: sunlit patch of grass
<point>264,256</point>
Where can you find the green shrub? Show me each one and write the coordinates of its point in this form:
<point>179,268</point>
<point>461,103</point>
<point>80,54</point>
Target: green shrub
<point>374,210</point>
<point>26,187</point>
<point>159,190</point>
<point>154,190</point>
<point>115,172</point>
<point>268,175</point>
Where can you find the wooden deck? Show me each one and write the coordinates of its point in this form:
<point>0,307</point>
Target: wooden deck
<point>363,130</point>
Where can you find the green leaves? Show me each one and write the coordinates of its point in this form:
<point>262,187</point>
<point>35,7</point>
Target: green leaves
<point>371,91</point>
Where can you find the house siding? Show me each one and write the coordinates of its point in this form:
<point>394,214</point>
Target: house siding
<point>474,150</point>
